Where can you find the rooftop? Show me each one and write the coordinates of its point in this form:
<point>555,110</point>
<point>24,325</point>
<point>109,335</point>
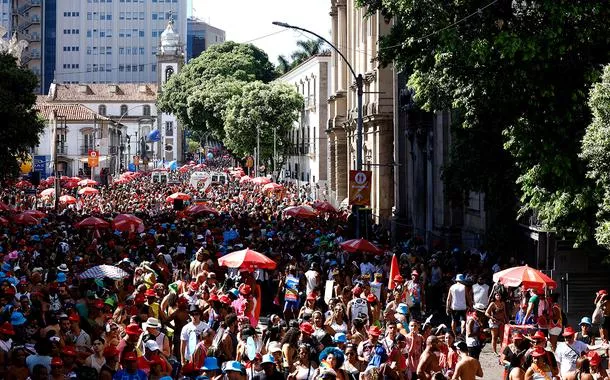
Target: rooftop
<point>72,112</point>
<point>89,92</point>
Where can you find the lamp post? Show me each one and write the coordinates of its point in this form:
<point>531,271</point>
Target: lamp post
<point>359,85</point>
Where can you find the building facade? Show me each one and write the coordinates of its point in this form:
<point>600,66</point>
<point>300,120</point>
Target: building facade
<point>307,162</point>
<point>200,36</point>
<point>356,37</point>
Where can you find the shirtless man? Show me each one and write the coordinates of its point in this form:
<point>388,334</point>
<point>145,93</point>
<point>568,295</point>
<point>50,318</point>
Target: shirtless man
<point>467,368</point>
<point>428,361</point>
<point>198,265</point>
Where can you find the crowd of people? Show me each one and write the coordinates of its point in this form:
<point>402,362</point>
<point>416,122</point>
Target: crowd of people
<point>323,313</point>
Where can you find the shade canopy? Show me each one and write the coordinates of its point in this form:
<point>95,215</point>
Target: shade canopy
<point>128,222</point>
<point>360,245</point>
<point>247,259</point>
<point>300,212</point>
<point>92,222</point>
<point>524,275</point>
<point>104,271</point>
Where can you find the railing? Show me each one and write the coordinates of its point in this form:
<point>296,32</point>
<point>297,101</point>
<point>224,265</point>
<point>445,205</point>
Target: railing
<point>84,149</point>
<point>32,37</point>
<point>29,5</point>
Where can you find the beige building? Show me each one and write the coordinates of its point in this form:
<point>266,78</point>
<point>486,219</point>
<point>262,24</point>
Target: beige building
<point>356,37</point>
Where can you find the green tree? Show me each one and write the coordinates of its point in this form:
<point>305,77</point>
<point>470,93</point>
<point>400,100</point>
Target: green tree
<point>284,65</point>
<point>262,108</point>
<point>516,73</point>
<point>198,94</point>
<point>307,49</point>
<point>596,152</point>
<point>22,126</point>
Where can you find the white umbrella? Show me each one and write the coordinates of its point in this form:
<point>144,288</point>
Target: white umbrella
<point>104,271</point>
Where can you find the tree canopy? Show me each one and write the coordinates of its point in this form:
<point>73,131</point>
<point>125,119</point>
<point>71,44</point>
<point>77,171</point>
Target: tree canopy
<point>516,74</point>
<point>596,152</point>
<point>198,94</point>
<point>21,125</point>
<point>262,107</point>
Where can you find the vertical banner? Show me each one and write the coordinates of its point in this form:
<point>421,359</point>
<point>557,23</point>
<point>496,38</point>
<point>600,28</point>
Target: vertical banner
<point>360,187</point>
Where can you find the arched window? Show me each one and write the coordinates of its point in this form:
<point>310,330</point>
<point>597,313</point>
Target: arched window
<point>168,72</point>
<point>124,110</point>
<point>101,110</point>
<point>146,110</point>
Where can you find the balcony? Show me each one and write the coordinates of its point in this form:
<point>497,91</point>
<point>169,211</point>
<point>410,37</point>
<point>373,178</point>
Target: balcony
<point>27,22</point>
<point>27,57</point>
<point>28,5</point>
<point>34,37</point>
<point>84,149</point>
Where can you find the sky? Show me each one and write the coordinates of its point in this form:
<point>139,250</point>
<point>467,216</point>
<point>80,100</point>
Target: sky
<point>247,20</point>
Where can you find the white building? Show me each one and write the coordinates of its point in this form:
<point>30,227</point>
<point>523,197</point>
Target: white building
<point>114,41</point>
<point>308,160</point>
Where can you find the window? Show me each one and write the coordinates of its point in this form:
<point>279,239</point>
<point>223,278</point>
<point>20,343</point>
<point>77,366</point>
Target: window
<point>141,68</point>
<point>146,110</point>
<point>124,109</point>
<point>109,67</point>
<point>141,33</point>
<point>108,50</point>
<point>169,128</point>
<point>88,67</point>
<point>168,72</point>
<point>121,51</point>
<point>153,68</point>
<point>121,68</point>
<point>101,110</point>
<point>141,51</point>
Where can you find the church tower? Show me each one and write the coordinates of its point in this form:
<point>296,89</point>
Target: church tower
<point>170,59</point>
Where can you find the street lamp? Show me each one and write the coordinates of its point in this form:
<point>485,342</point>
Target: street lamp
<point>359,84</point>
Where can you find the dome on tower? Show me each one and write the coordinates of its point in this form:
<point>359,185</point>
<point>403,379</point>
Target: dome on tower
<point>170,40</point>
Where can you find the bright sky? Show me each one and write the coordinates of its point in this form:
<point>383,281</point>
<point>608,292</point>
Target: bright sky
<point>246,20</point>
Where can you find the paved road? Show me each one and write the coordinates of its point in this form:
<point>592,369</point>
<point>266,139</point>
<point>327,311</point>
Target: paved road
<point>489,361</point>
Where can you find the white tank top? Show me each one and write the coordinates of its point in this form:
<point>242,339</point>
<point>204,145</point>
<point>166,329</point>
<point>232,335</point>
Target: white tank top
<point>339,328</point>
<point>458,296</point>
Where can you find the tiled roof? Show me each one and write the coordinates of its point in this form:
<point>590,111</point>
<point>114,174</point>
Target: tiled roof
<point>72,112</point>
<point>103,92</point>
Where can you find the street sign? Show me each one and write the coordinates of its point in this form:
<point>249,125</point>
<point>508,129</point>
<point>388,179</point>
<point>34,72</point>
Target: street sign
<point>94,159</point>
<point>360,187</point>
<point>249,162</point>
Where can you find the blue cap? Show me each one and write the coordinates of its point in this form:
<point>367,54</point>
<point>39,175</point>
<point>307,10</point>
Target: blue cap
<point>172,226</point>
<point>17,318</point>
<point>35,238</point>
<point>6,267</point>
<point>402,308</point>
<point>233,365</point>
<point>61,277</point>
<point>340,338</point>
<point>117,232</point>
<point>460,278</point>
<point>210,364</point>
<point>585,321</point>
<point>164,225</point>
<point>152,231</point>
<point>268,358</point>
<point>13,280</point>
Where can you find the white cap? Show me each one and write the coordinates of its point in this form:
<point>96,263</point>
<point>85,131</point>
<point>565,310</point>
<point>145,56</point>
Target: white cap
<point>152,345</point>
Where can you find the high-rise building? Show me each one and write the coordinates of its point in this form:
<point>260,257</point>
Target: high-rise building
<point>24,18</point>
<point>201,35</point>
<point>112,41</point>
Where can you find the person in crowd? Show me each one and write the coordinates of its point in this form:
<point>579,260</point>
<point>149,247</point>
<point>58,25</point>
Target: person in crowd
<point>496,312</point>
<point>467,368</point>
<point>457,304</point>
<point>569,351</point>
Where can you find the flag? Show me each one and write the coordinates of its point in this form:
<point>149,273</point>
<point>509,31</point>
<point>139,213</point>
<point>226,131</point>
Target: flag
<point>154,136</point>
<point>394,270</point>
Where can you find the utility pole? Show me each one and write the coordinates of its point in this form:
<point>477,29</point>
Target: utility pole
<point>274,152</point>
<point>258,151</point>
<point>56,182</point>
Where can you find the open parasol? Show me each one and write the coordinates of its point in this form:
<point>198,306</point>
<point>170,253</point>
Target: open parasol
<point>87,182</point>
<point>360,245</point>
<point>128,222</point>
<point>180,196</point>
<point>88,191</point>
<point>261,180</point>
<point>300,212</point>
<point>92,222</point>
<point>324,206</point>
<point>524,275</point>
<point>104,271</point>
<point>199,209</point>
<point>246,259</point>
<point>67,199</point>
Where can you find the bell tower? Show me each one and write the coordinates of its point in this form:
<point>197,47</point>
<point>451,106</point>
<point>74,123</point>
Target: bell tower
<point>170,59</point>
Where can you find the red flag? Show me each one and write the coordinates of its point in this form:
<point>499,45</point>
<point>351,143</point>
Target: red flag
<point>394,270</point>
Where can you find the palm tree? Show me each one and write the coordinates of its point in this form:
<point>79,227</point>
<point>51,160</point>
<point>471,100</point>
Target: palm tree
<point>283,64</point>
<point>308,48</point>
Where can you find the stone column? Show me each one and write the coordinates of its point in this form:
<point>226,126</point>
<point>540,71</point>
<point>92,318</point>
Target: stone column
<point>342,45</point>
<point>341,166</point>
<point>385,157</point>
<point>335,40</point>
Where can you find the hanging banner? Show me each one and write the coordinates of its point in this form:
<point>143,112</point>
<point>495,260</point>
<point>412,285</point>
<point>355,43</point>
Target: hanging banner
<point>94,159</point>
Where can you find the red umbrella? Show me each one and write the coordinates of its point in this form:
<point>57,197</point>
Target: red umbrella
<point>360,245</point>
<point>300,212</point>
<point>246,259</point>
<point>184,169</point>
<point>87,182</point>
<point>180,196</point>
<point>67,199</point>
<point>526,276</point>
<point>25,219</point>
<point>4,221</point>
<point>128,222</point>
<point>35,213</point>
<point>201,209</point>
<point>92,222</point>
<point>70,185</point>
<point>23,184</point>
<point>324,206</point>
<point>273,187</point>
<point>64,178</point>
<point>77,179</point>
<point>5,207</point>
<point>245,179</point>
<point>88,191</point>
<point>261,180</point>
<point>47,193</point>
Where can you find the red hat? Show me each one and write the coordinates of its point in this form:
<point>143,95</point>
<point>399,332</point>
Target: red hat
<point>602,292</point>
<point>182,301</point>
<point>133,329</point>
<point>371,298</point>
<point>311,296</point>
<point>245,289</point>
<point>111,352</point>
<point>213,297</point>
<point>306,328</point>
<point>414,273</point>
<point>374,330</point>
<point>140,298</point>
<point>194,286</point>
<point>357,291</point>
<point>99,304</point>
<point>539,335</point>
<point>74,317</point>
<point>150,293</point>
<point>69,351</point>
<point>568,331</point>
<point>398,278</point>
<point>7,329</point>
<point>594,358</point>
<point>130,356</point>
<point>57,362</point>
<point>538,352</point>
<point>225,299</point>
